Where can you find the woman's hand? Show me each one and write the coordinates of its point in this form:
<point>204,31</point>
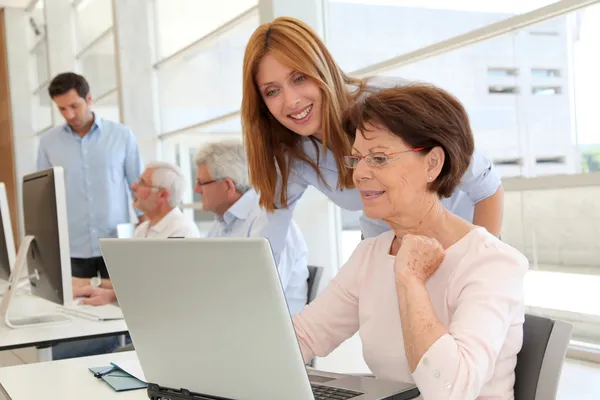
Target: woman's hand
<point>418,258</point>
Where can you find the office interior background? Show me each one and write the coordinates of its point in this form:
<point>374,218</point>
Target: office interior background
<point>528,72</point>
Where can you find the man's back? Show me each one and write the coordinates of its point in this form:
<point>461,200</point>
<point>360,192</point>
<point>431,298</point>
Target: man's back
<point>245,219</point>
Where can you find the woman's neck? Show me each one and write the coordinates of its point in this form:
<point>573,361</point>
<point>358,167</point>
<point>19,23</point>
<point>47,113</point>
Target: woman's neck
<point>431,220</point>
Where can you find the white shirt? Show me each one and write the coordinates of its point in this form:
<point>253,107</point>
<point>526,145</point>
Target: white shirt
<point>246,218</point>
<point>174,224</point>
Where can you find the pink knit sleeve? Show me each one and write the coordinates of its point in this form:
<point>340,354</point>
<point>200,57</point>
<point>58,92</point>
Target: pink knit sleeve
<point>333,316</point>
<point>487,298</point>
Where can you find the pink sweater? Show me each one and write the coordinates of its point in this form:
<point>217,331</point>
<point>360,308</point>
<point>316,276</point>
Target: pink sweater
<point>477,293</point>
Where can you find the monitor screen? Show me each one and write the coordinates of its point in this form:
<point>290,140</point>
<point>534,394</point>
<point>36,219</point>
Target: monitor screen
<point>44,211</point>
<point>7,245</point>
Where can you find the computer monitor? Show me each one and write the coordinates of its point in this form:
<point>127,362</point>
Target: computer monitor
<point>45,218</point>
<point>7,244</point>
<point>45,246</point>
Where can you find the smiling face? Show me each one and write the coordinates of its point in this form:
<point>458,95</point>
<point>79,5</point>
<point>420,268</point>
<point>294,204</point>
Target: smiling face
<point>398,187</point>
<point>291,97</point>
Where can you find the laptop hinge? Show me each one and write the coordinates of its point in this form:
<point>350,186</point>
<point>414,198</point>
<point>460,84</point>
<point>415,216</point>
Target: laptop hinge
<point>157,392</point>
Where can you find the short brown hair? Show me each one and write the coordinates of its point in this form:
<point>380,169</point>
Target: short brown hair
<point>421,115</point>
<point>66,81</point>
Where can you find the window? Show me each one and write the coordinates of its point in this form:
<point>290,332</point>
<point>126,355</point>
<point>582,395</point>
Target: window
<point>546,90</point>
<point>36,22</point>
<point>39,61</point>
<point>98,65</point>
<point>37,40</point>
<point>550,160</point>
<point>540,33</point>
<point>93,18</point>
<point>508,161</point>
<point>550,208</point>
<point>205,82</point>
<point>179,26</point>
<point>176,146</point>
<point>503,72</point>
<point>108,106</point>
<point>545,72</point>
<point>498,89</point>
<point>96,58</point>
<point>41,110</point>
<point>363,32</point>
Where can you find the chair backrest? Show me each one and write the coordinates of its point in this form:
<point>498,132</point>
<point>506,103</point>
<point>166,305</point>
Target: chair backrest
<point>540,361</point>
<point>314,278</point>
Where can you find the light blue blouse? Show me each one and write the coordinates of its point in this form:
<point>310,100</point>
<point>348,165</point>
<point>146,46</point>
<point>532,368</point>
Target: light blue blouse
<point>479,182</point>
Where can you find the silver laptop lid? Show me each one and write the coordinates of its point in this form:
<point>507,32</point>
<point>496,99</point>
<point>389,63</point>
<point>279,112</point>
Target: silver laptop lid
<point>208,315</point>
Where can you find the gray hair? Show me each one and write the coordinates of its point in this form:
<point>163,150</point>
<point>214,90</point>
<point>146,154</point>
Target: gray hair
<point>168,176</point>
<point>226,159</point>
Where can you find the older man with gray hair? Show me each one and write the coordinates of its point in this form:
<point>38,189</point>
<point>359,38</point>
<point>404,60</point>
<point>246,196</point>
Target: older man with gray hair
<point>223,183</point>
<point>158,194</point>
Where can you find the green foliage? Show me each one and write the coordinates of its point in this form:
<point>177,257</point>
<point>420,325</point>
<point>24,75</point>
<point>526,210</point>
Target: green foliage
<point>590,160</point>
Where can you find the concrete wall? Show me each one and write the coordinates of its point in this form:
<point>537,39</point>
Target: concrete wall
<point>555,227</point>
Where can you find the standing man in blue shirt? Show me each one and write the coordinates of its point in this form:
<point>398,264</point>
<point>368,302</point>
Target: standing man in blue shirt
<point>101,161</point>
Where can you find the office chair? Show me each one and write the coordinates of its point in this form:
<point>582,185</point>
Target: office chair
<point>540,361</point>
<point>314,278</point>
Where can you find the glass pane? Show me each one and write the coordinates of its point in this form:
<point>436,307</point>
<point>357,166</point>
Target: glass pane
<point>39,64</point>
<point>92,18</point>
<point>206,83</point>
<point>527,132</point>
<point>41,110</point>
<point>565,260</point>
<point>108,107</point>
<point>531,96</point>
<point>36,24</point>
<point>99,67</point>
<point>361,32</point>
<point>179,26</point>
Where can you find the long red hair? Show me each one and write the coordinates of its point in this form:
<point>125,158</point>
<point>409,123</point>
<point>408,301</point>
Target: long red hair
<point>270,146</point>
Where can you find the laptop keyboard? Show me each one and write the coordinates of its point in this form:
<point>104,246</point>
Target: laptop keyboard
<point>331,393</point>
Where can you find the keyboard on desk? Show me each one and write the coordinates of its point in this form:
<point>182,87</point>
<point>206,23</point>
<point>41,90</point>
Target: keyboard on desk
<point>331,393</point>
<point>106,312</point>
<point>23,321</point>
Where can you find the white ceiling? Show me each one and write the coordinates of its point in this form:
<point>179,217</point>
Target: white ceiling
<point>14,3</point>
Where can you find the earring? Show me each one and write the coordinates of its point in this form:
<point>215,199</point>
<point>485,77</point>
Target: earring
<point>430,178</point>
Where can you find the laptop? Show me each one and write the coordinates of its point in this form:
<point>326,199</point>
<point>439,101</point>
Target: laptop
<point>209,316</point>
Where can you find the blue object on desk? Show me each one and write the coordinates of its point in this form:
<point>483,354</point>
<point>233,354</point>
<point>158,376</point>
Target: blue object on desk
<point>118,379</point>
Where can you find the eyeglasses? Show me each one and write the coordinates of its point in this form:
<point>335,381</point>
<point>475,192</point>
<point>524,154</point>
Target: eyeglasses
<point>378,159</point>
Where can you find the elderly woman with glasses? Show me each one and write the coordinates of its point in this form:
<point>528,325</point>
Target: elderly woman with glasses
<point>437,301</point>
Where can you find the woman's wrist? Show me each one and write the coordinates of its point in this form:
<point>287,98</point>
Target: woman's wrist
<point>407,278</point>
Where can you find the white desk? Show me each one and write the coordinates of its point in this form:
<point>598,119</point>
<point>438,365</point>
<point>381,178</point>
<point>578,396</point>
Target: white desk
<point>65,380</point>
<point>45,336</point>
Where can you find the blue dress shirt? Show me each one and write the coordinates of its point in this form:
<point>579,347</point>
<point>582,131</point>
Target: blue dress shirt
<point>99,168</point>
